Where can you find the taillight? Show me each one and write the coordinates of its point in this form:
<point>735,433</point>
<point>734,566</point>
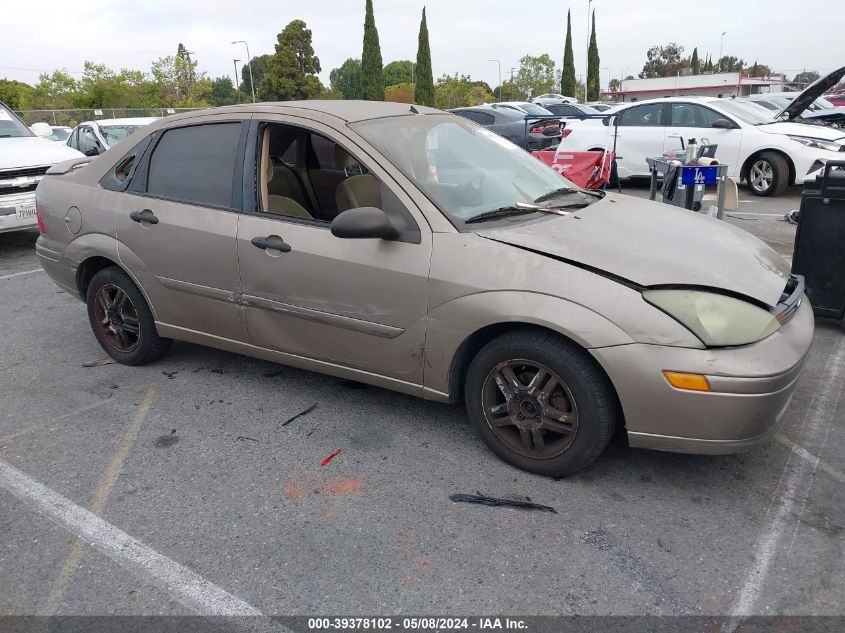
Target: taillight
<point>537,129</point>
<point>41,228</point>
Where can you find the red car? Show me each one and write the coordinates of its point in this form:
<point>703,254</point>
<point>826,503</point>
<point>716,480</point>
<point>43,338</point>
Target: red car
<point>837,100</point>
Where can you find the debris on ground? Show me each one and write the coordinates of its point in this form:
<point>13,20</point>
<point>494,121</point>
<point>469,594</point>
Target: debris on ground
<point>664,546</point>
<point>300,414</point>
<point>334,454</point>
<point>170,374</point>
<point>108,360</point>
<point>494,501</point>
<point>793,216</point>
<point>244,438</point>
<point>218,370</point>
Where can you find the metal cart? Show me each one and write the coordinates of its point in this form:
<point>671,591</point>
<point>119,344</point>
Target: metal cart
<point>691,180</point>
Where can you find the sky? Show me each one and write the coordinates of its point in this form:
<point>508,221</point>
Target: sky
<point>464,34</point>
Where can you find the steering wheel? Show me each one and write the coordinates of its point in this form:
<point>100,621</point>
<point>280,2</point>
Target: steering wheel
<point>469,189</point>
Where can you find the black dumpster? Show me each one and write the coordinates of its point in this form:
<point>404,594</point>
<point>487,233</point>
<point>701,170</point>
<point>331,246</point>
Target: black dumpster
<point>820,241</point>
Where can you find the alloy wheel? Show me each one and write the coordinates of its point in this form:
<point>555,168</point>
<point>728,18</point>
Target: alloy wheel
<point>762,175</point>
<point>117,318</point>
<point>530,409</point>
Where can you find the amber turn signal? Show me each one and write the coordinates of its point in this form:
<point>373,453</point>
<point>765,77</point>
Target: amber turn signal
<point>689,382</point>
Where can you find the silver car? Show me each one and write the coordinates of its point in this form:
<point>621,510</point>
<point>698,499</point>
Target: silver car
<point>414,250</point>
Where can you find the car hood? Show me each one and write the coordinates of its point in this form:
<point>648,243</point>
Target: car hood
<point>810,94</point>
<point>803,129</point>
<point>33,151</point>
<point>652,244</point>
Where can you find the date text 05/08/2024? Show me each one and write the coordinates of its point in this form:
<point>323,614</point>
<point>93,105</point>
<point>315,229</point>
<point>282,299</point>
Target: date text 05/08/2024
<point>378,624</point>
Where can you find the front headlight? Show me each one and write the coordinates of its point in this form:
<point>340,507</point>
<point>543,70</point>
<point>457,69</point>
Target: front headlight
<point>718,320</point>
<point>817,143</point>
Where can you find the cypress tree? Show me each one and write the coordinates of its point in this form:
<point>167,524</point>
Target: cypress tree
<point>567,77</point>
<point>695,63</point>
<point>372,73</point>
<point>424,88</point>
<point>593,76</point>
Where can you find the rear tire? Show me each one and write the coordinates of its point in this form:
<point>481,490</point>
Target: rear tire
<point>121,320</point>
<point>555,412</point>
<point>768,174</point>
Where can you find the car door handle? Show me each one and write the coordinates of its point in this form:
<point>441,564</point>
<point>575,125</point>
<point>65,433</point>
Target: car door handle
<point>264,243</point>
<point>673,134</point>
<point>144,216</point>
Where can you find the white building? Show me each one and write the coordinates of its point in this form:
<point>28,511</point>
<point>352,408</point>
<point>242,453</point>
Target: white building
<point>712,85</point>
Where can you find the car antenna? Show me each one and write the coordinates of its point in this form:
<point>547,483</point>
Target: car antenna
<point>414,110</point>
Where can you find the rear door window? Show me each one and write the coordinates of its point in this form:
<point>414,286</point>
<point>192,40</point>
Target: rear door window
<point>196,164</point>
<point>650,115</point>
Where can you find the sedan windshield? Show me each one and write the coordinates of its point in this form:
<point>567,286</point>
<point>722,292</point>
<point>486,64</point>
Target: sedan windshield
<point>116,133</point>
<point>11,125</point>
<point>744,111</point>
<point>463,168</point>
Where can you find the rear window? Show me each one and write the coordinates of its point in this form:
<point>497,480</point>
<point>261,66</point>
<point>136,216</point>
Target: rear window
<point>196,164</point>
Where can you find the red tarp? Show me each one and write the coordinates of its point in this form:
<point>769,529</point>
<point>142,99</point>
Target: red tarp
<point>590,170</point>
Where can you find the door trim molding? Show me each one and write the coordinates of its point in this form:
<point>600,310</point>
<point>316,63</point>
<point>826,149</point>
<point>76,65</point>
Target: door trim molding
<point>327,318</point>
<point>196,289</point>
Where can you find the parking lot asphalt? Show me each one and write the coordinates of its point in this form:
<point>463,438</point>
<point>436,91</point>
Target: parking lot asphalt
<point>191,458</point>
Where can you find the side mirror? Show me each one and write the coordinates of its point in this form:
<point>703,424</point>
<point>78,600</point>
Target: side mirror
<point>362,223</point>
<point>92,151</point>
<point>724,124</point>
<point>41,129</point>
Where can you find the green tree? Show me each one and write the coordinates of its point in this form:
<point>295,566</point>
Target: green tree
<point>292,71</point>
<point>347,79</point>
<point>806,78</point>
<point>593,63</point>
<point>567,78</point>
<point>663,61</point>
<point>15,94</point>
<point>398,72</point>
<point>56,91</point>
<point>459,90</point>
<point>259,69</point>
<point>400,93</point>
<point>424,87</point>
<point>223,92</point>
<point>372,77</point>
<point>536,75</point>
<point>614,85</point>
<point>731,64</point>
<point>695,63</point>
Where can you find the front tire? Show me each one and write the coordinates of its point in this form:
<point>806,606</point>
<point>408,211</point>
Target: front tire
<point>540,403</point>
<point>768,174</point>
<point>121,319</point>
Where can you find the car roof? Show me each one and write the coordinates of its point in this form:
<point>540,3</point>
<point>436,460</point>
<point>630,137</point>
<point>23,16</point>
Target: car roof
<point>128,121</point>
<point>347,110</point>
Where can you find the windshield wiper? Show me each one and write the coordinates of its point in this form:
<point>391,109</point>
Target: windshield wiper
<point>520,208</point>
<point>556,193</point>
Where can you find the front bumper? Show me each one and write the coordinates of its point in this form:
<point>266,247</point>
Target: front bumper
<point>811,164</point>
<point>751,388</point>
<point>8,212</point>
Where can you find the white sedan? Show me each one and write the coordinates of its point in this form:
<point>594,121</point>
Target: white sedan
<point>770,155</point>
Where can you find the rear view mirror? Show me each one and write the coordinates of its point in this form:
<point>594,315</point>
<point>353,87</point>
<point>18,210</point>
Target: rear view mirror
<point>41,129</point>
<point>362,223</point>
<point>724,124</point>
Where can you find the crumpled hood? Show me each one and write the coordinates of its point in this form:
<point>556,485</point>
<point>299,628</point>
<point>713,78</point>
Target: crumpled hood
<point>33,151</point>
<point>812,92</point>
<point>653,244</point>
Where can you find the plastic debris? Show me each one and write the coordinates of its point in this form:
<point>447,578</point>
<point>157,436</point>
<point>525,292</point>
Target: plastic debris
<point>300,414</point>
<point>493,501</point>
<point>108,360</point>
<point>334,454</point>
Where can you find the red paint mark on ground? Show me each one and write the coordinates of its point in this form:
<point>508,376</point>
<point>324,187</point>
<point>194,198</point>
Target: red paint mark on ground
<point>334,487</point>
<point>420,563</point>
<point>330,457</point>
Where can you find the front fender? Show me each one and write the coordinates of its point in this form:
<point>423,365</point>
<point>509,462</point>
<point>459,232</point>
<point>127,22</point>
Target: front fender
<point>450,324</point>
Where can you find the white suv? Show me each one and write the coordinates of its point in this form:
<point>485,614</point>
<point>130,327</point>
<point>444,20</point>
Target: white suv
<point>24,158</point>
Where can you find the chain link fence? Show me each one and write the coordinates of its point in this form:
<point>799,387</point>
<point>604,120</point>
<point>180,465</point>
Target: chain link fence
<point>71,118</point>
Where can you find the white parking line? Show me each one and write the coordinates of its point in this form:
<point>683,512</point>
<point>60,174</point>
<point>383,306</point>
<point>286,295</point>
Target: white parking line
<point>814,427</point>
<point>182,584</point>
<point>26,272</point>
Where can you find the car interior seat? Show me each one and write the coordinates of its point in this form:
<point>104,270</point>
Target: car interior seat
<point>357,189</point>
<point>687,118</point>
<point>272,203</point>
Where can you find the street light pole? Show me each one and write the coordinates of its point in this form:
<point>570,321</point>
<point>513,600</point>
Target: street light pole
<point>236,77</point>
<point>499,62</point>
<point>249,63</point>
<point>722,41</point>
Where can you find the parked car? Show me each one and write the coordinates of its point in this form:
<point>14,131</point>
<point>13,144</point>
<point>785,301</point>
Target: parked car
<point>768,154</point>
<point>819,111</point>
<point>553,97</point>
<point>24,158</point>
<point>95,137</point>
<point>509,121</point>
<point>59,133</point>
<point>430,256</point>
<point>837,100</point>
<point>572,110</point>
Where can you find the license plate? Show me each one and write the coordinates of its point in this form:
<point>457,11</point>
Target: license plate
<point>25,210</point>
